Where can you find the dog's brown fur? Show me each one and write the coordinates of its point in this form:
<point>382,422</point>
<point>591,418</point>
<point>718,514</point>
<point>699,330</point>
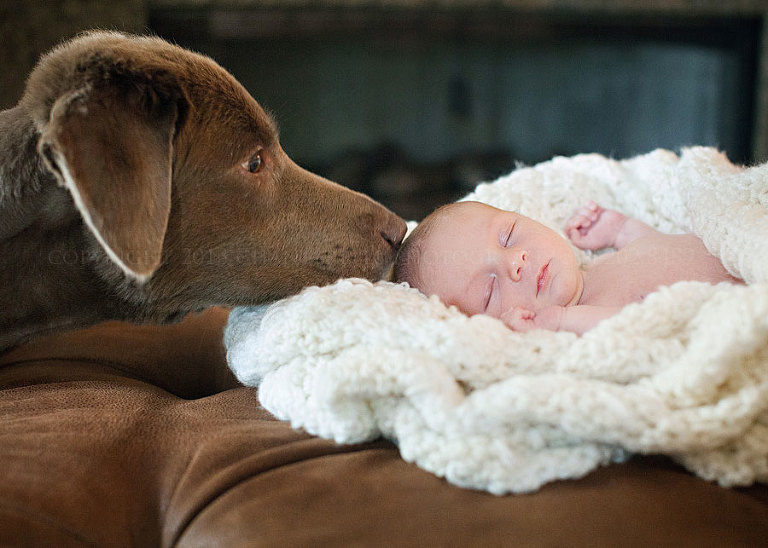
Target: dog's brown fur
<point>126,192</point>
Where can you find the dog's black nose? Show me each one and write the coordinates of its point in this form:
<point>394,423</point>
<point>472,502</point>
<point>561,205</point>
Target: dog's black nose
<point>394,232</point>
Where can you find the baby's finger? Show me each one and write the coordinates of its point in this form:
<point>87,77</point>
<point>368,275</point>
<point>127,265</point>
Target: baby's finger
<point>525,314</point>
<point>580,229</point>
<point>578,221</point>
<point>591,213</point>
<point>573,234</point>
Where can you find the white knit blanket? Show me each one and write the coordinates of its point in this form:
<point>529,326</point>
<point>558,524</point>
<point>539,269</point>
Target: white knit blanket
<point>685,373</point>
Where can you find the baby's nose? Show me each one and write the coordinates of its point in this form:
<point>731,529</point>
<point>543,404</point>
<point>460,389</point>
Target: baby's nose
<point>516,261</point>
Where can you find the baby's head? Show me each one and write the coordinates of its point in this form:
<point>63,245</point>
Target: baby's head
<point>486,260</point>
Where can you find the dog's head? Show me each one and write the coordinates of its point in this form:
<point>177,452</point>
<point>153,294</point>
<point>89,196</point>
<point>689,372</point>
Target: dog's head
<point>179,176</point>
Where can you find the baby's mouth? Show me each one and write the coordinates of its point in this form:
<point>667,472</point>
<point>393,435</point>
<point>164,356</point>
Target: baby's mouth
<point>541,279</point>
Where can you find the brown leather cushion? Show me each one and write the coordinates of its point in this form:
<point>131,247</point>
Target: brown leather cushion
<point>138,435</point>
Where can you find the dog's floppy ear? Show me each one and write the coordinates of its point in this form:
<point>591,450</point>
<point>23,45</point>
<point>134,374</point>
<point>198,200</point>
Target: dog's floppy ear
<point>111,144</point>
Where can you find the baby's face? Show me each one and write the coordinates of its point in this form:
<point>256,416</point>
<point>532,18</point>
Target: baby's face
<point>486,260</point>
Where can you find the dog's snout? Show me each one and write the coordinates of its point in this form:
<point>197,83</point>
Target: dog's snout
<point>393,232</point>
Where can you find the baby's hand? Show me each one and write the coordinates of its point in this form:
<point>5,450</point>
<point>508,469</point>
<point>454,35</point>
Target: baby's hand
<point>523,320</point>
<point>592,227</point>
<point>519,319</point>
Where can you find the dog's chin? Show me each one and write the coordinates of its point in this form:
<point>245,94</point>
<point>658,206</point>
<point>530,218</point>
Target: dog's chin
<point>166,317</point>
<point>319,278</point>
<point>176,317</point>
<point>389,273</point>
<point>373,274</point>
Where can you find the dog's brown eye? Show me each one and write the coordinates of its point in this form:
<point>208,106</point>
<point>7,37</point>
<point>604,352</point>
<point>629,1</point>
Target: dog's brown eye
<point>254,164</point>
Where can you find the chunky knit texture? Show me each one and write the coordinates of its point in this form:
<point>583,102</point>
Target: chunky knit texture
<point>684,373</point>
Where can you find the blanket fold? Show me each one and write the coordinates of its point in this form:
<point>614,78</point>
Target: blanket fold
<point>684,373</point>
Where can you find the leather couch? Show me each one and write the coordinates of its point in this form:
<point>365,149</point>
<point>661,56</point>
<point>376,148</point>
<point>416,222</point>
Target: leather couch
<point>125,435</point>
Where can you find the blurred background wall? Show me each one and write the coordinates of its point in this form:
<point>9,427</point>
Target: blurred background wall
<point>415,102</point>
<point>29,28</point>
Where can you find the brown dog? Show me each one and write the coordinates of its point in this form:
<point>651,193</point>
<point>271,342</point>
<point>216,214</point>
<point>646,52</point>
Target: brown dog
<point>140,181</point>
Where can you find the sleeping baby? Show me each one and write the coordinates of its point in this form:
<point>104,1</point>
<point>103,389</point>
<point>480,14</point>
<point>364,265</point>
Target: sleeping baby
<point>486,260</point>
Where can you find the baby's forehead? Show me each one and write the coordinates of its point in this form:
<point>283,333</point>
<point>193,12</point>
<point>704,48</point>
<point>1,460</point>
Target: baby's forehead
<point>464,210</point>
<point>453,227</point>
<point>455,235</point>
<point>464,214</point>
